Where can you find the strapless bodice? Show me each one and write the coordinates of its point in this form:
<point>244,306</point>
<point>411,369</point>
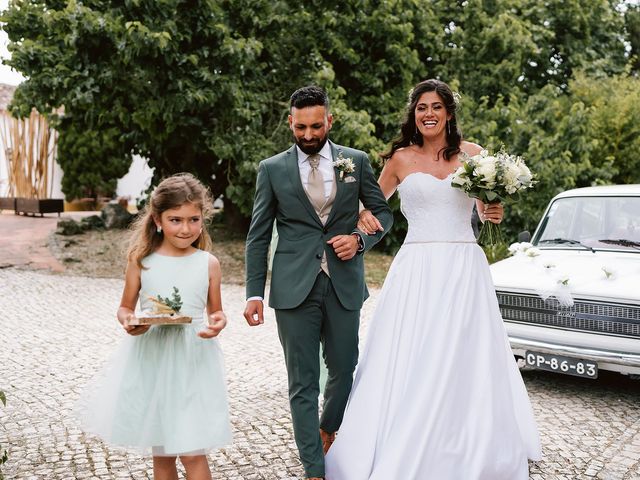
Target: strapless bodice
<point>435,211</point>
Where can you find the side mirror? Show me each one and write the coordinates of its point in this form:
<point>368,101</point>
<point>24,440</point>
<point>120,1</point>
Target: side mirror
<point>524,236</point>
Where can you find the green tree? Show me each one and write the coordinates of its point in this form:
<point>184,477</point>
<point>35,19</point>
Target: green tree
<point>632,22</point>
<point>202,85</point>
<point>588,136</point>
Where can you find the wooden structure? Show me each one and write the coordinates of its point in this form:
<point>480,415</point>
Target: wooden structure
<point>29,147</point>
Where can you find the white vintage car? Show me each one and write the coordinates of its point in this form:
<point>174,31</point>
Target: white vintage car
<point>570,299</point>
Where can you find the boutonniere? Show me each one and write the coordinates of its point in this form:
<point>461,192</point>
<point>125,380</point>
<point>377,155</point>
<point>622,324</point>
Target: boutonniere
<point>344,165</point>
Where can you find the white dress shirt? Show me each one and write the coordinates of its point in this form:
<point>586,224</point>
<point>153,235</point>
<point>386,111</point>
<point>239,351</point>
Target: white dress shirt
<point>325,167</point>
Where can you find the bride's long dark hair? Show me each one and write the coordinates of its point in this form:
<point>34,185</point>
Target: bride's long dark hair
<point>409,135</point>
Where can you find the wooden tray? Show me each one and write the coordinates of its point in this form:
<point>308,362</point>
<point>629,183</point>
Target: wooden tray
<point>159,320</point>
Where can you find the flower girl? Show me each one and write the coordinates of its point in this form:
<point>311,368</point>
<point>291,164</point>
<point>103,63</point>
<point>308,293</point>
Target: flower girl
<point>164,389</point>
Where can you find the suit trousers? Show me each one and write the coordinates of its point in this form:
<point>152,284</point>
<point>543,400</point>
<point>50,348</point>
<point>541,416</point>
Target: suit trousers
<point>320,319</point>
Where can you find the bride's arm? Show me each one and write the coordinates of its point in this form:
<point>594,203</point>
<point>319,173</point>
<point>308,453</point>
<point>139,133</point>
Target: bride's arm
<point>388,180</point>
<point>494,211</point>
<point>388,183</point>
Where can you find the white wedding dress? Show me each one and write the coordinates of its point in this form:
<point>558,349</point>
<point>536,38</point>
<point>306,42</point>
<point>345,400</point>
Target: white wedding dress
<point>437,393</point>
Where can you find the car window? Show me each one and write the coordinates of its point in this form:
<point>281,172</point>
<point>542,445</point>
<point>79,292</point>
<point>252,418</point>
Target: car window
<point>590,218</point>
<point>575,222</point>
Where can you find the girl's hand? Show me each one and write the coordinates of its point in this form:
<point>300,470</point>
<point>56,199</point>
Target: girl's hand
<point>217,321</point>
<point>493,212</point>
<point>132,329</point>
<point>136,329</point>
<point>368,223</point>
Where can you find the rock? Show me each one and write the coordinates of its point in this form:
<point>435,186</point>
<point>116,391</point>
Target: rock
<point>94,222</point>
<point>69,227</point>
<point>115,216</point>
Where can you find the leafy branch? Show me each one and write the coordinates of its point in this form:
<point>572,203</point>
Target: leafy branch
<point>171,304</point>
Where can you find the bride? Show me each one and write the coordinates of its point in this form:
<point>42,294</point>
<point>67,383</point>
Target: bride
<point>437,393</point>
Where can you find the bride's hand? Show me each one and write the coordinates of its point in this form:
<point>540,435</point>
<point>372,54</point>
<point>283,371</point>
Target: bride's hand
<point>493,212</point>
<point>368,223</point>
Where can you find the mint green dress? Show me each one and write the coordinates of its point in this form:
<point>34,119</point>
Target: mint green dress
<point>164,391</point>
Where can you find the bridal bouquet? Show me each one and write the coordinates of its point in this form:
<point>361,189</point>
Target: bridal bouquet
<point>492,179</point>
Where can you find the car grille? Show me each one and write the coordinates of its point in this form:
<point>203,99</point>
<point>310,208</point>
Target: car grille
<point>587,316</point>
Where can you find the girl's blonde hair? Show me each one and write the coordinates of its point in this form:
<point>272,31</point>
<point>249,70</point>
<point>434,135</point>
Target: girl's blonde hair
<point>172,192</point>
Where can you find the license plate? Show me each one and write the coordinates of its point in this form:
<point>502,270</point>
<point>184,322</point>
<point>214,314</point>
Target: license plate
<point>560,364</point>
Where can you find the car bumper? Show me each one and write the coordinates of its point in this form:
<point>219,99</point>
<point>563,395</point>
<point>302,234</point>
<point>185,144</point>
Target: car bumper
<point>622,362</point>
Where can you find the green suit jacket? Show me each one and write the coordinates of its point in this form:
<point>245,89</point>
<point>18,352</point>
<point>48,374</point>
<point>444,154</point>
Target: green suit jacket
<point>301,235</point>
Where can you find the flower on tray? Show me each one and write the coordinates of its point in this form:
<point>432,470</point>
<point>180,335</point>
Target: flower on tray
<point>166,305</point>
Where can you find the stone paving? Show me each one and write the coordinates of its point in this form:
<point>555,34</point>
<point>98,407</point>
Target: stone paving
<point>24,239</point>
<point>55,331</point>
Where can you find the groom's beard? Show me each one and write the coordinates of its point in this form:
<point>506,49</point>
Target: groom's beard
<point>314,146</point>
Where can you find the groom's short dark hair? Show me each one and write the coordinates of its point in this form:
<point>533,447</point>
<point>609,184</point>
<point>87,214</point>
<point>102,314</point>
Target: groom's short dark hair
<point>309,96</point>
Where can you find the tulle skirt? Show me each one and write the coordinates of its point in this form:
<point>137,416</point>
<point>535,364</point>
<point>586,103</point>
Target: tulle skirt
<point>437,393</point>
<point>162,393</point>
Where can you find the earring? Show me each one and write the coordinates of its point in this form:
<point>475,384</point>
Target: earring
<point>448,128</point>
<point>159,229</point>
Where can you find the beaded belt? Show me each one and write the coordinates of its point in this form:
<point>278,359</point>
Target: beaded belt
<point>440,241</point>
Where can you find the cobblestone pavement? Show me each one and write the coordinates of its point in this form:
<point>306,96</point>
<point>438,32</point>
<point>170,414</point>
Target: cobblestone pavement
<point>55,331</point>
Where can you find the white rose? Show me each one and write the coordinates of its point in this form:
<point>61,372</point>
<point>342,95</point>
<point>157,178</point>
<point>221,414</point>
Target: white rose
<point>525,175</point>
<point>521,247</point>
<point>532,252</point>
<point>460,178</point>
<point>486,170</point>
<point>510,177</point>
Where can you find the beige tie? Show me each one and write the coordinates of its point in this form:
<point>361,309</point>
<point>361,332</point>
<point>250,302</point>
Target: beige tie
<point>315,183</point>
<point>315,191</point>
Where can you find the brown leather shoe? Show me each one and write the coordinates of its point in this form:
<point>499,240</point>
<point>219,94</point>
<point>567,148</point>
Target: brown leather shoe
<point>327,440</point>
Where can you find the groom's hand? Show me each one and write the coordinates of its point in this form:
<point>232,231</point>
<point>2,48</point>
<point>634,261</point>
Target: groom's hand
<point>345,246</point>
<point>253,313</point>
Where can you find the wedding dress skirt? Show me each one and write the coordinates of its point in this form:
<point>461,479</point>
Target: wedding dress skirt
<point>437,393</point>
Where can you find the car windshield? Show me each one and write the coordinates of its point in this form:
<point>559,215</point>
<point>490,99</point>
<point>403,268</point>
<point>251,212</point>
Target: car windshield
<point>600,223</point>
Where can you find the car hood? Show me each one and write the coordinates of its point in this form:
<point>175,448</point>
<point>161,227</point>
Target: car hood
<point>610,276</point>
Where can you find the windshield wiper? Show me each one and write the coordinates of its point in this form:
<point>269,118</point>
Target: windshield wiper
<point>567,240</point>
<point>621,241</point>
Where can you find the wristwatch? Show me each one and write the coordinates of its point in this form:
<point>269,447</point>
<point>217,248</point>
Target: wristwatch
<point>360,242</point>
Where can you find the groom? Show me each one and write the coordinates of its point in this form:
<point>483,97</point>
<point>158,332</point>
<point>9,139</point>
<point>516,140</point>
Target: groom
<point>317,289</point>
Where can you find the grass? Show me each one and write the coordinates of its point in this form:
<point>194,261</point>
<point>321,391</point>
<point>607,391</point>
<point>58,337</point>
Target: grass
<point>101,254</point>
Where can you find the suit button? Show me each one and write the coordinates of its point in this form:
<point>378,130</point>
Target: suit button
<point>325,230</point>
<point>318,256</point>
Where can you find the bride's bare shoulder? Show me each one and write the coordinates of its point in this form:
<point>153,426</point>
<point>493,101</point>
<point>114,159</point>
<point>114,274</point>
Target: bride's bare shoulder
<point>470,148</point>
<point>403,156</point>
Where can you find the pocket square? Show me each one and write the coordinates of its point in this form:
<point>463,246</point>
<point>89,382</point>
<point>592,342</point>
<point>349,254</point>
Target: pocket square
<point>349,179</point>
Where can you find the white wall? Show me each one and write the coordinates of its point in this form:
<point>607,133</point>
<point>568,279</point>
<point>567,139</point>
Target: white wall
<point>136,181</point>
<point>130,186</point>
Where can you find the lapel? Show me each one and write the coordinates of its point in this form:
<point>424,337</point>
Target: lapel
<point>335,150</point>
<point>291,159</point>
